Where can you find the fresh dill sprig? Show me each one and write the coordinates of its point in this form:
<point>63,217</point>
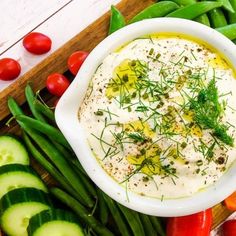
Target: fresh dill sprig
<point>208,110</point>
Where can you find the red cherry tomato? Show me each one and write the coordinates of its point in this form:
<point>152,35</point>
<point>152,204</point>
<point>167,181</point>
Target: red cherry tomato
<point>75,61</point>
<point>229,228</point>
<point>57,84</point>
<point>9,69</point>
<point>37,43</point>
<point>198,224</point>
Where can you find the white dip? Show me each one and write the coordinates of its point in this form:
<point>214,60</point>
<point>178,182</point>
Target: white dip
<point>160,116</point>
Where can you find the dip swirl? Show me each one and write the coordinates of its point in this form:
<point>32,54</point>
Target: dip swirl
<point>159,115</point>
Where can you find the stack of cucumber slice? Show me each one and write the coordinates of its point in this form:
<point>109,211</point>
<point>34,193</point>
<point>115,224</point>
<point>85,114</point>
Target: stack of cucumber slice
<point>25,205</point>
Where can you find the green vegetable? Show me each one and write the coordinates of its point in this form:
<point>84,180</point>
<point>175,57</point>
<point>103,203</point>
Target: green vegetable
<point>54,155</point>
<point>134,221</point>
<point>117,215</point>
<point>14,176</point>
<point>54,222</point>
<point>44,128</point>
<point>43,109</point>
<point>229,31</point>
<point>117,20</point>
<point>12,151</point>
<point>30,97</point>
<point>48,166</point>
<point>227,5</point>
<point>147,225</point>
<point>156,10</point>
<point>102,207</point>
<point>81,211</point>
<point>203,19</point>
<point>18,205</point>
<point>183,2</point>
<point>157,225</point>
<point>232,16</point>
<point>217,18</point>
<point>194,10</point>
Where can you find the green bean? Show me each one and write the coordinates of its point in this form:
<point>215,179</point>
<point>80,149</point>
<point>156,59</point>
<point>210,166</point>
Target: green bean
<point>217,18</point>
<point>147,225</point>
<point>229,31</point>
<point>46,111</point>
<point>54,155</point>
<point>156,10</point>
<point>134,221</point>
<point>227,5</point>
<point>30,97</point>
<point>118,217</point>
<point>48,166</point>
<point>232,16</point>
<point>102,207</point>
<point>194,10</point>
<point>117,20</point>
<point>157,225</point>
<point>203,19</point>
<point>81,211</point>
<point>44,128</point>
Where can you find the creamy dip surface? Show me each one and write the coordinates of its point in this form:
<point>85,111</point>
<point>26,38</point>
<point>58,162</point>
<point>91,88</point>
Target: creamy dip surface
<point>159,115</point>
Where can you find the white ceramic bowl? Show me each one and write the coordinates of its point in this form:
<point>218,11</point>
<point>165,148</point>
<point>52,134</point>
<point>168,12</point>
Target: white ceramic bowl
<point>67,112</point>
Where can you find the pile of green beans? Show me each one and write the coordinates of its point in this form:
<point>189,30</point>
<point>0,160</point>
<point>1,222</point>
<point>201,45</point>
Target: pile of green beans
<point>51,150</point>
<point>220,15</point>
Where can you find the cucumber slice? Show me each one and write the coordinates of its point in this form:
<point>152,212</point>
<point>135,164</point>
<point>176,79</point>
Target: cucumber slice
<point>12,151</point>
<point>18,206</point>
<point>14,176</point>
<point>54,222</point>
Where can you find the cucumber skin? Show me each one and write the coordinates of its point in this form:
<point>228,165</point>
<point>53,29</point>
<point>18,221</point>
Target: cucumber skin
<point>48,216</point>
<point>17,167</point>
<point>20,143</point>
<point>22,195</point>
<point>6,171</point>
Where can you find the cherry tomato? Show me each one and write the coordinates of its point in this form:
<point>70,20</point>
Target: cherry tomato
<point>57,84</point>
<point>37,43</point>
<point>9,69</point>
<point>198,224</point>
<point>229,228</point>
<point>76,60</point>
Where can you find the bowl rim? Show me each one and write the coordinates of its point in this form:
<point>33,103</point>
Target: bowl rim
<point>67,120</point>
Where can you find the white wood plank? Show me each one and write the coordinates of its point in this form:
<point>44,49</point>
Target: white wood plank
<point>61,27</point>
<point>18,17</point>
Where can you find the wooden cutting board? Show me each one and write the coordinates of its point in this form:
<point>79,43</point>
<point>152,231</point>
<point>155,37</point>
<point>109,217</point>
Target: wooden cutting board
<point>57,62</point>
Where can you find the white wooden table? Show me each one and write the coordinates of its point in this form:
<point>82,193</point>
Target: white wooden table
<point>59,19</point>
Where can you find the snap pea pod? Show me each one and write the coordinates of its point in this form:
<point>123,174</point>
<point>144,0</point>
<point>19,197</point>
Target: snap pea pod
<point>203,19</point>
<point>159,9</point>
<point>117,20</point>
<point>229,31</point>
<point>217,18</point>
<point>134,221</point>
<point>232,16</point>
<point>227,5</point>
<point>183,2</point>
<point>194,10</point>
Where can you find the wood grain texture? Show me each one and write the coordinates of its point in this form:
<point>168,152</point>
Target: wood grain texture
<point>57,62</point>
